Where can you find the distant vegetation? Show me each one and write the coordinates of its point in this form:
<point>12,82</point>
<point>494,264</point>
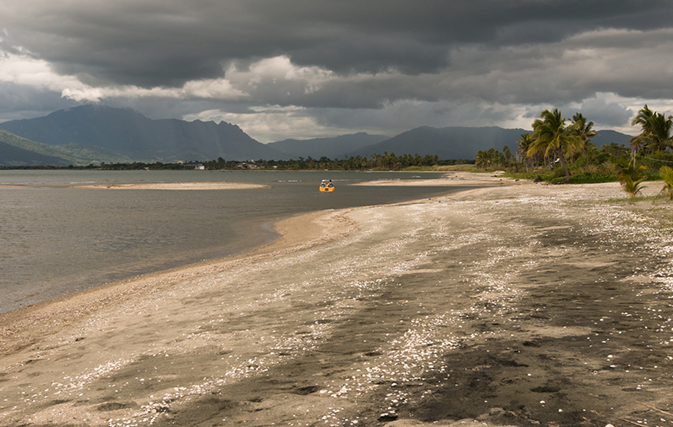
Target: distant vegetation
<point>378,162</point>
<point>373,162</point>
<point>557,152</point>
<point>59,155</point>
<point>95,134</point>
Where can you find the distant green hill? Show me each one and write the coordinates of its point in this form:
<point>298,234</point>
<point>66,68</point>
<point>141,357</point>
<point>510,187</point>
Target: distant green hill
<point>463,142</point>
<point>447,143</point>
<point>94,133</point>
<point>109,134</point>
<point>605,137</point>
<point>14,156</point>
<point>17,151</point>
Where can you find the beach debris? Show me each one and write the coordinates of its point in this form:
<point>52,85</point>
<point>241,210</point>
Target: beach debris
<point>655,409</point>
<point>388,416</point>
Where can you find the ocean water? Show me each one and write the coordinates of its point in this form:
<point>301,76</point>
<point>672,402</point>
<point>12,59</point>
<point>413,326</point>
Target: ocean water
<point>56,240</point>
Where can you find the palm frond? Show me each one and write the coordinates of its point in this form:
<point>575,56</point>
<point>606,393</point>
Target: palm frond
<point>666,173</point>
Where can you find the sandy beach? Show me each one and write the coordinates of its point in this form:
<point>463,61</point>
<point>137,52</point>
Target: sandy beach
<point>466,179</point>
<point>521,304</point>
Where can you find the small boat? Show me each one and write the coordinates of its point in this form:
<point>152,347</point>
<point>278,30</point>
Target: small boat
<point>326,185</point>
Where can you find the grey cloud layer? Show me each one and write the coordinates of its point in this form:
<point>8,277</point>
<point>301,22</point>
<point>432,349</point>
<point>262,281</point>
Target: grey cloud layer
<point>166,43</point>
<point>378,65</point>
<point>625,63</point>
<point>21,102</point>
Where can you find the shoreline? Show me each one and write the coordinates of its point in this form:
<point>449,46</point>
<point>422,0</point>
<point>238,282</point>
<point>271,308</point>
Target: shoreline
<point>58,312</point>
<point>512,305</point>
<point>290,233</point>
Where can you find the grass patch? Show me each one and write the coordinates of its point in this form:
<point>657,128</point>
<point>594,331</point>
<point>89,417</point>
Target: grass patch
<point>586,178</point>
<point>529,175</point>
<point>553,177</point>
<point>450,168</point>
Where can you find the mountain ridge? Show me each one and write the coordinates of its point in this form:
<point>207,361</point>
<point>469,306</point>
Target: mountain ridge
<point>94,133</point>
<point>131,134</point>
<point>457,142</point>
<point>332,148</point>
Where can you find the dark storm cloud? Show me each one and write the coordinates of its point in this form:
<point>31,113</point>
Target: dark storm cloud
<point>629,64</point>
<point>19,102</point>
<point>606,113</point>
<point>161,108</point>
<point>167,43</point>
<point>297,67</point>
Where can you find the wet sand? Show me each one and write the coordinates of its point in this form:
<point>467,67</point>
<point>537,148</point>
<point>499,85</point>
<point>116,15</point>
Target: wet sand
<point>517,305</point>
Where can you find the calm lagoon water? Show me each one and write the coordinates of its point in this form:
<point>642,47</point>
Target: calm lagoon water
<point>55,241</point>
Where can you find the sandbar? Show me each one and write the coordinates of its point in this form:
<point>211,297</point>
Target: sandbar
<point>156,186</point>
<point>176,186</point>
<point>524,304</point>
<point>449,179</point>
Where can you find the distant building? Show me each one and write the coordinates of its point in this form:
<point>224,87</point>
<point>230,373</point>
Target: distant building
<point>195,166</point>
<point>245,165</point>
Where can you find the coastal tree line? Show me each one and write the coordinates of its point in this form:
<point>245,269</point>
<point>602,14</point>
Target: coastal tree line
<point>561,150</point>
<point>358,163</point>
<point>386,161</point>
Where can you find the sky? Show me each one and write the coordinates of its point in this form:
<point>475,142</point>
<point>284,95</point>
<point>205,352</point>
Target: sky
<point>318,68</point>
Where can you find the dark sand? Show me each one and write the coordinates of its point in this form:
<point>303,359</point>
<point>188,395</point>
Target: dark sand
<point>518,305</point>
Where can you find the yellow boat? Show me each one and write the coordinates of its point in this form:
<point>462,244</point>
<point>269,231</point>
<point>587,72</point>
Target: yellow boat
<point>326,186</point>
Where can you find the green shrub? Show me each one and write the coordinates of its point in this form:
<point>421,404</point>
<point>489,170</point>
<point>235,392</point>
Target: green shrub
<point>666,174</point>
<point>592,178</point>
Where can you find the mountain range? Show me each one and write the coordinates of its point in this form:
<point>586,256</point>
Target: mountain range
<point>332,148</point>
<point>447,143</point>
<point>124,134</point>
<point>93,134</point>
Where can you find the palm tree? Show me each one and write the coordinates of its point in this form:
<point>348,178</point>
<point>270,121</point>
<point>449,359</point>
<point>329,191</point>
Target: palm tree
<point>632,187</point>
<point>525,143</point>
<point>630,176</point>
<point>666,173</point>
<point>480,159</point>
<point>643,118</point>
<point>655,135</point>
<point>637,144</point>
<point>551,135</point>
<point>661,132</point>
<point>584,129</point>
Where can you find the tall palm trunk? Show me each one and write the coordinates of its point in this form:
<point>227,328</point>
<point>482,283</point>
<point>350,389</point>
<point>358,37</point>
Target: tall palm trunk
<point>563,163</point>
